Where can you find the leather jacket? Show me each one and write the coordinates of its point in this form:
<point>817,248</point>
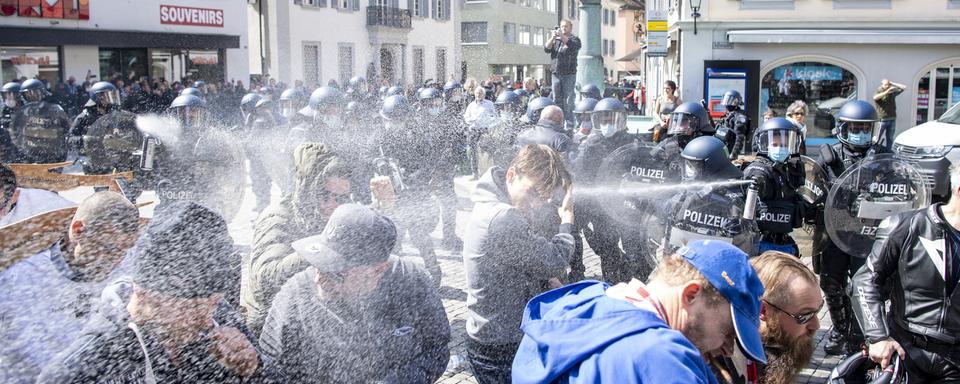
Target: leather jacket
<point>909,265</point>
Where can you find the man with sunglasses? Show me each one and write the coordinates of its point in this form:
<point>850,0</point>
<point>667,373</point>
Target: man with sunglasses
<point>321,183</point>
<point>856,123</point>
<point>357,313</point>
<point>788,323</point>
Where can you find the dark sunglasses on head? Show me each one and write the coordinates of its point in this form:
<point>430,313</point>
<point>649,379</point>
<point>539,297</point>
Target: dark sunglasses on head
<point>801,318</point>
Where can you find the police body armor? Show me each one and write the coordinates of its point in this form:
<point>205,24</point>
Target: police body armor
<point>110,144</point>
<point>778,209</point>
<point>732,130</point>
<point>709,214</point>
<point>84,120</point>
<point>40,132</point>
<point>834,160</point>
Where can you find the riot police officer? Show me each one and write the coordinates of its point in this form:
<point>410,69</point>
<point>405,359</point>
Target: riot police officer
<point>192,91</point>
<point>596,213</point>
<point>358,89</point>
<point>10,93</point>
<point>495,147</point>
<point>291,102</point>
<point>202,164</point>
<point>259,131</point>
<point>455,101</point>
<point>590,90</point>
<point>855,125</point>
<point>104,97</point>
<point>407,157</point>
<point>40,128</point>
<point>395,90</point>
<point>733,128</point>
<point>325,126</point>
<point>445,132</point>
<point>713,211</point>
<point>777,174</point>
<point>687,122</point>
<point>581,114</point>
<point>534,107</point>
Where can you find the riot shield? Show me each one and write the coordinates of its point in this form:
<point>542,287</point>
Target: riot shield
<point>815,185</point>
<point>877,187</point>
<point>712,214</point>
<point>635,166</point>
<point>210,172</point>
<point>111,142</point>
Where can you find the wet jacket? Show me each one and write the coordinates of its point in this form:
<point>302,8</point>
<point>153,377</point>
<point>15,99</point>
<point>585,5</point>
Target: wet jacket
<point>110,351</point>
<point>578,334</point>
<point>272,260</point>
<point>552,136</point>
<point>910,264</point>
<point>40,132</point>
<point>780,208</point>
<point>505,261</point>
<point>398,335</point>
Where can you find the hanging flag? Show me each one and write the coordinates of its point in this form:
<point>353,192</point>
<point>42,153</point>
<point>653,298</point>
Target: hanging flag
<point>71,9</point>
<point>8,7</point>
<point>53,9</point>
<point>30,8</point>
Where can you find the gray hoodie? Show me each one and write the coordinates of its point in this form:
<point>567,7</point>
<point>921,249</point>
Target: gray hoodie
<point>506,262</point>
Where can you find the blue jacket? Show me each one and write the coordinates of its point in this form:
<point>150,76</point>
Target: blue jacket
<point>577,334</point>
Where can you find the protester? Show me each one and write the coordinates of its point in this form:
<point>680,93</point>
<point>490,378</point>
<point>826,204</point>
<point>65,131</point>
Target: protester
<point>789,308</point>
<point>797,114</point>
<point>358,314</point>
<point>664,106</point>
<point>49,296</point>
<point>916,266</point>
<point>700,302</point>
<point>169,322</point>
<point>505,261</point>
<point>886,103</point>
<point>563,48</point>
<point>321,184</point>
<point>18,203</point>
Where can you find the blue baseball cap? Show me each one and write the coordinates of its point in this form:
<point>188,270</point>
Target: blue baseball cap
<point>728,269</point>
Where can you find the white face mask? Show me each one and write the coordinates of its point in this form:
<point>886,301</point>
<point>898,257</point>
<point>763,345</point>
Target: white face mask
<point>10,103</point>
<point>608,130</point>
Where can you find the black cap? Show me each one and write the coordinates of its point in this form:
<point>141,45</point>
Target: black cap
<point>355,235</point>
<point>185,252</point>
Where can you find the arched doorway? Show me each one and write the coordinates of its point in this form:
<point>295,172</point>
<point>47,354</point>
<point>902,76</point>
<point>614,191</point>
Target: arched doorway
<point>823,84</point>
<point>937,89</point>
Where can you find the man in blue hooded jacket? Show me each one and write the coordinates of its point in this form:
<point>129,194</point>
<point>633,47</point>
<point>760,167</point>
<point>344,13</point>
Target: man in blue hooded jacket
<point>696,304</point>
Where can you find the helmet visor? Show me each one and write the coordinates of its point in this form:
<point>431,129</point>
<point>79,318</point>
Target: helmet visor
<point>780,138</point>
<point>682,124</point>
<point>288,108</point>
<point>609,121</point>
<point>111,97</point>
<point>692,169</point>
<point>189,116</point>
<point>33,95</point>
<point>10,97</point>
<point>857,132</point>
<point>730,100</point>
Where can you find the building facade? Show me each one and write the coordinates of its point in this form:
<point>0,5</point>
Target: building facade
<point>506,37</point>
<point>392,41</point>
<point>155,39</point>
<point>821,51</point>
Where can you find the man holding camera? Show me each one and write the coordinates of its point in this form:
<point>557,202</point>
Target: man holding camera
<point>563,48</point>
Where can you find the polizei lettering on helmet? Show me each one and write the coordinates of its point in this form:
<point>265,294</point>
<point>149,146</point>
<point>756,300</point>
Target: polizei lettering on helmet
<point>888,189</point>
<point>705,219</point>
<point>646,172</point>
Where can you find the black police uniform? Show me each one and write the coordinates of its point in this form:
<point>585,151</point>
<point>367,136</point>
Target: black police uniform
<point>780,208</point>
<point>40,132</point>
<point>733,129</point>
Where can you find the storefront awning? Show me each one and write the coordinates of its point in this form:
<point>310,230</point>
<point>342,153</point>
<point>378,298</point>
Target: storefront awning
<point>632,55</point>
<point>844,36</point>
<point>114,39</point>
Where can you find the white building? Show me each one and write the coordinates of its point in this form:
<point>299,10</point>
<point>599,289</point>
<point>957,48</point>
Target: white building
<point>819,51</point>
<point>169,39</point>
<point>318,40</point>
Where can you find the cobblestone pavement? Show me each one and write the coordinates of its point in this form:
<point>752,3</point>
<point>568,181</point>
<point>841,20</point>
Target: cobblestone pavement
<point>454,301</point>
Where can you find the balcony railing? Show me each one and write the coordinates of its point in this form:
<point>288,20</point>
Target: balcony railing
<point>388,17</point>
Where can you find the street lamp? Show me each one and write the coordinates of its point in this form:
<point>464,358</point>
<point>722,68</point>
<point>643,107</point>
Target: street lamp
<point>695,7</point>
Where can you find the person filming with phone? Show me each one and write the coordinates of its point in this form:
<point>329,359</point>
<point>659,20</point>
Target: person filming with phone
<point>563,48</point>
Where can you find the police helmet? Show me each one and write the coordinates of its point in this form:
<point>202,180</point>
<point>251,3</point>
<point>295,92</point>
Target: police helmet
<point>689,119</point>
<point>104,94</point>
<point>859,368</point>
<point>11,93</point>
<point>189,110</point>
<point>430,97</point>
<point>325,100</point>
<point>291,101</point>
<point>582,111</point>
<point>395,90</point>
<point>508,102</point>
<point>856,123</point>
<point>778,132</point>
<point>706,159</point>
<point>394,107</point>
<point>191,91</point>
<point>353,108</point>
<point>591,90</point>
<point>521,92</point>
<point>609,116</point>
<point>535,106</point>
<point>201,85</point>
<point>732,98</point>
<point>357,84</point>
<point>33,90</point>
<point>249,103</point>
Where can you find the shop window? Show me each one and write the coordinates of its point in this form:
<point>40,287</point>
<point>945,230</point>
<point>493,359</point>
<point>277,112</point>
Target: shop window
<point>935,96</point>
<point>31,63</point>
<point>127,63</point>
<point>824,87</point>
<point>205,65</point>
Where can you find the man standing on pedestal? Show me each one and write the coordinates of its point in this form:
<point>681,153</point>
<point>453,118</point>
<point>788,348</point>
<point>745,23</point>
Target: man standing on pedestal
<point>563,48</point>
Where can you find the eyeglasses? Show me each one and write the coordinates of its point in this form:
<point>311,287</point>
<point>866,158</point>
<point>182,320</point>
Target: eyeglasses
<point>326,195</point>
<point>801,319</point>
